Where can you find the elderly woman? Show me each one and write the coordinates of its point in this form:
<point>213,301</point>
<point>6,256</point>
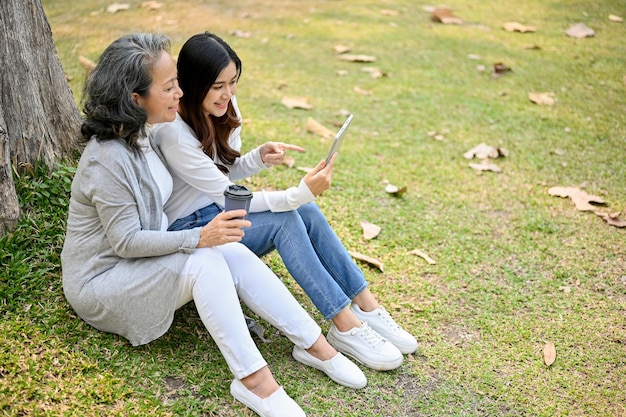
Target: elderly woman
<point>124,273</point>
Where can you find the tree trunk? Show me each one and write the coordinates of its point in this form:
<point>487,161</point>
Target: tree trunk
<point>39,120</point>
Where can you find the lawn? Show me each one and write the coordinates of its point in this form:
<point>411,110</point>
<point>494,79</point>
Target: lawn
<point>513,268</point>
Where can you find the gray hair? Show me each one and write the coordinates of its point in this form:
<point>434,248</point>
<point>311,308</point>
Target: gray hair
<point>125,67</point>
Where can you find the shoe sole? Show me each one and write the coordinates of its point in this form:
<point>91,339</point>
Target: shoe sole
<point>303,360</point>
<point>377,366</point>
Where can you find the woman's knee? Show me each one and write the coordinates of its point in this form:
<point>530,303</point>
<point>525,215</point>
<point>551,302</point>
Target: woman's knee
<point>311,214</point>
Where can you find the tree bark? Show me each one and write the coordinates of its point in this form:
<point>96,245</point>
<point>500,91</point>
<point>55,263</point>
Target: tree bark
<point>39,119</point>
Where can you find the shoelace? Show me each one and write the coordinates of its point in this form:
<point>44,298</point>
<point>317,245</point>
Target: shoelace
<point>368,335</point>
<point>388,320</point>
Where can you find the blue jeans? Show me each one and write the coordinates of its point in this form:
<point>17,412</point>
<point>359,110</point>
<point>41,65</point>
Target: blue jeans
<point>310,249</point>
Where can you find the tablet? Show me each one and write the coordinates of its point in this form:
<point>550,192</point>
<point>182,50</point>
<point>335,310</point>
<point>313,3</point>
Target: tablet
<point>338,139</point>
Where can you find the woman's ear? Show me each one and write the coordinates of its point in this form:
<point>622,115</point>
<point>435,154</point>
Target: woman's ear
<point>135,98</point>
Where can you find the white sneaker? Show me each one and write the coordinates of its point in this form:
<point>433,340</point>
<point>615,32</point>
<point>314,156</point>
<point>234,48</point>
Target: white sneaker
<point>279,404</point>
<point>386,326</point>
<point>366,346</point>
<point>338,368</point>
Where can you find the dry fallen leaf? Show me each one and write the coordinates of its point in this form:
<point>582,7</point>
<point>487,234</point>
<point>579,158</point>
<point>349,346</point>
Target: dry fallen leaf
<point>549,353</point>
<point>87,63</point>
<point>357,58</point>
<point>316,127</point>
<point>151,5</point>
<point>518,27</point>
<point>374,262</point>
<point>500,68</point>
<point>484,151</point>
<point>614,18</point>
<point>445,16</point>
<point>359,90</point>
<point>395,190</point>
<point>579,31</point>
<point>546,99</point>
<point>612,219</point>
<point>423,255</point>
<point>388,12</point>
<point>296,103</point>
<point>116,7</point>
<point>580,198</point>
<point>374,72</point>
<point>370,230</point>
<point>485,166</point>
<point>342,49</point>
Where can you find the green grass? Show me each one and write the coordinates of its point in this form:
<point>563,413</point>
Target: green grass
<point>515,268</point>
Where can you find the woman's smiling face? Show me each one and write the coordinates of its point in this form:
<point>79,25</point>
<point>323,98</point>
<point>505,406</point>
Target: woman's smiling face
<point>217,98</point>
<point>161,103</point>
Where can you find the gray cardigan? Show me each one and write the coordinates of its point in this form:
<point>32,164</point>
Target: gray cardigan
<point>120,270</point>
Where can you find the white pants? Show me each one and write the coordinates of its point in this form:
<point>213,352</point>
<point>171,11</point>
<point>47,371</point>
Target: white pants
<point>215,278</point>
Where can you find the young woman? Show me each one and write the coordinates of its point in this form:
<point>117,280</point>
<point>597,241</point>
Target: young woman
<point>124,273</point>
<point>202,148</point>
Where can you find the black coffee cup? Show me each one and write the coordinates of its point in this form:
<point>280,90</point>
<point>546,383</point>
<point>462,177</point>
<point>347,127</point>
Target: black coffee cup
<point>237,197</point>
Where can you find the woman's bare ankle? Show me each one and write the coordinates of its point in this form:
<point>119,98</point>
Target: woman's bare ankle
<point>261,383</point>
<point>346,320</point>
<point>322,350</point>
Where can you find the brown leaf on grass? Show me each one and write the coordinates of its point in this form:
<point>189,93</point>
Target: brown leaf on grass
<point>316,127</point>
<point>518,27</point>
<point>438,135</point>
<point>580,198</point>
<point>394,190</point>
<point>359,90</point>
<point>546,99</point>
<point>445,16</point>
<point>423,255</point>
<point>374,72</point>
<point>612,219</point>
<point>117,7</point>
<point>372,261</point>
<point>388,12</point>
<point>549,353</point>
<point>342,49</point>
<point>296,103</point>
<point>615,18</point>
<point>484,151</point>
<point>151,5</point>
<point>87,63</point>
<point>485,166</point>
<point>357,58</point>
<point>370,230</point>
<point>500,68</point>
<point>579,31</point>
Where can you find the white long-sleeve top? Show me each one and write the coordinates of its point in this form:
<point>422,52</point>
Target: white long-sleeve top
<point>198,181</point>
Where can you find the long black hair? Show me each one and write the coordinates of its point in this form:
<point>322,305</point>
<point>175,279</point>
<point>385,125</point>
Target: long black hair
<point>200,61</point>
